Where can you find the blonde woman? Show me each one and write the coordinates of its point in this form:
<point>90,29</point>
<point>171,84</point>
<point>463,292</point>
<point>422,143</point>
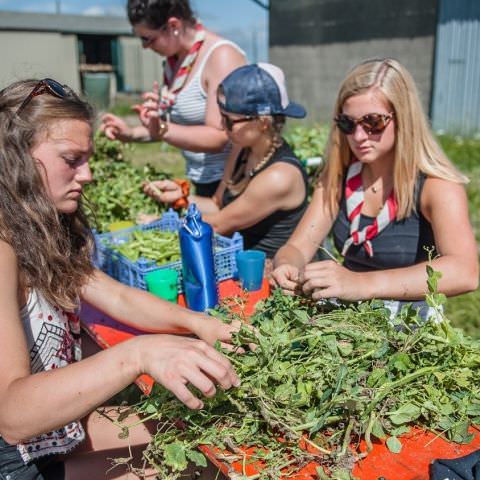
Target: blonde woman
<point>388,194</point>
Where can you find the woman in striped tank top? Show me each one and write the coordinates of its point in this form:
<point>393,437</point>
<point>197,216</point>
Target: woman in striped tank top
<point>388,193</point>
<point>184,112</point>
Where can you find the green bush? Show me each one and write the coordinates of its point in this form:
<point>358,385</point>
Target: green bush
<point>116,190</point>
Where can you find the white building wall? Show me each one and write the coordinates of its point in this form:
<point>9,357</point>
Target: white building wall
<point>140,67</point>
<point>38,55</point>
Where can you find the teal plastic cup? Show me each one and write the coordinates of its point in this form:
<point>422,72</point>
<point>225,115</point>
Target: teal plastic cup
<point>163,283</point>
<point>250,265</point>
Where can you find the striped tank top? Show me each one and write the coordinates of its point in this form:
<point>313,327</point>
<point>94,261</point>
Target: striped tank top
<point>189,109</point>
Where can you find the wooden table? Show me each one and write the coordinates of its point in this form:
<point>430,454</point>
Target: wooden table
<point>419,448</point>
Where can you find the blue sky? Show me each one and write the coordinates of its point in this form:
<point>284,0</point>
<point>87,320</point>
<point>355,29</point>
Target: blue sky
<point>240,20</point>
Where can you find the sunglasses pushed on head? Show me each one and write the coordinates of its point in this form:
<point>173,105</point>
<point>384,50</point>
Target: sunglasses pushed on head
<point>46,85</point>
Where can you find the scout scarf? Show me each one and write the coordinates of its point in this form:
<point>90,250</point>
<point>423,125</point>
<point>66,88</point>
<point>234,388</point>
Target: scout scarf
<point>174,82</point>
<point>354,196</point>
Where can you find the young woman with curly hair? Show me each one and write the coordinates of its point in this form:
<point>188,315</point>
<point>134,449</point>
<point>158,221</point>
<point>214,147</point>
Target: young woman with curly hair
<point>47,392</point>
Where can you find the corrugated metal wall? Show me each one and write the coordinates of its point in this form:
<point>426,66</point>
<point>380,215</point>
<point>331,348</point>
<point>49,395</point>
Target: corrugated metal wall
<point>456,92</point>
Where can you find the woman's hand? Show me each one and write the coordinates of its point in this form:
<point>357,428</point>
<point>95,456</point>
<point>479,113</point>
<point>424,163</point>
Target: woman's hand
<point>329,279</point>
<point>286,277</point>
<point>149,112</point>
<point>164,191</point>
<point>115,128</point>
<point>211,329</point>
<point>175,362</point>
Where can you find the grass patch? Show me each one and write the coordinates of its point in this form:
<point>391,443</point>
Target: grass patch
<point>160,155</point>
<point>122,105</point>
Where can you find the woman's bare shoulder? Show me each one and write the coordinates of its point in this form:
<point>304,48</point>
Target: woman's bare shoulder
<point>9,274</point>
<point>226,54</point>
<point>437,188</point>
<point>279,179</point>
<point>438,193</point>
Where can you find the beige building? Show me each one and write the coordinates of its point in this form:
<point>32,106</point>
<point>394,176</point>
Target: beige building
<point>76,50</point>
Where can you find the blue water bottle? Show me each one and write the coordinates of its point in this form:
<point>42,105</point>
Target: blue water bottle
<point>198,263</point>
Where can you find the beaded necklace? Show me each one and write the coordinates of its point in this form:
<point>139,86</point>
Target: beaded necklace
<point>241,177</point>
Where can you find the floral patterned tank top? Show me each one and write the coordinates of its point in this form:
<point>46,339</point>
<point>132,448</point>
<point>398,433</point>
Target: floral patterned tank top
<point>53,338</point>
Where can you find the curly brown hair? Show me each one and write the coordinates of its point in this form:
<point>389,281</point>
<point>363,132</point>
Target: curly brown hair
<point>53,250</point>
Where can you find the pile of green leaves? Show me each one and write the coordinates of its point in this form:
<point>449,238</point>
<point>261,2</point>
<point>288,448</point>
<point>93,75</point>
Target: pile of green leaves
<point>308,142</point>
<point>162,247</point>
<point>116,190</point>
<point>329,376</point>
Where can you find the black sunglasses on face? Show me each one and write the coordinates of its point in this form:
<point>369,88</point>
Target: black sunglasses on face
<point>372,123</point>
<point>229,122</point>
<point>47,85</point>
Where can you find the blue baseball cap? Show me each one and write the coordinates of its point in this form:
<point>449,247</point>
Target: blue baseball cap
<point>257,89</point>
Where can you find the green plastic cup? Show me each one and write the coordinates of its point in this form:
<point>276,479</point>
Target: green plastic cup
<point>120,225</point>
<point>163,283</point>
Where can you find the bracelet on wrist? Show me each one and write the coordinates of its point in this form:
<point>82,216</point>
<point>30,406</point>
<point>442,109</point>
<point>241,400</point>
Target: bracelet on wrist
<point>162,129</point>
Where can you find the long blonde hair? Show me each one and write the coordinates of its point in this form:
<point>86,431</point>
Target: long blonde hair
<point>416,150</point>
<point>53,250</point>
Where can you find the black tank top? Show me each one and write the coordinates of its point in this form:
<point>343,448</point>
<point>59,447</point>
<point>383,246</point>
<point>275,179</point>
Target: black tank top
<point>400,244</point>
<point>273,231</point>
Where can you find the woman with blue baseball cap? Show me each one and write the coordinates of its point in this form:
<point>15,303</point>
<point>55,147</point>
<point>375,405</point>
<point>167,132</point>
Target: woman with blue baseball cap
<point>263,193</point>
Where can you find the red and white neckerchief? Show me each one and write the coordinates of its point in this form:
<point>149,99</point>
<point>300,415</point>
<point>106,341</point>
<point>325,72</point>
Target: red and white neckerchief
<point>174,82</point>
<point>354,196</point>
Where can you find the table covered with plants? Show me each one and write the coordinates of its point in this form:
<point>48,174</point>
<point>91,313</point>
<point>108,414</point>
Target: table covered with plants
<point>331,390</point>
<point>328,391</point>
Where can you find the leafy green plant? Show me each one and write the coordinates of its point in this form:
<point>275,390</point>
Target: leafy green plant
<point>308,142</point>
<point>116,190</point>
<point>320,379</point>
<point>157,245</point>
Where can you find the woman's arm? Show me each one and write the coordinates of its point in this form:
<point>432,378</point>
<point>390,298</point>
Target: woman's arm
<point>209,137</point>
<point>149,313</point>
<point>279,187</point>
<point>291,259</point>
<point>37,403</point>
<point>444,205</point>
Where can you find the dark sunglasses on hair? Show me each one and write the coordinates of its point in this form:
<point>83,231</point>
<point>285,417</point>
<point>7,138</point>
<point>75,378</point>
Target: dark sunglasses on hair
<point>47,85</point>
<point>372,123</point>
<point>229,122</point>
